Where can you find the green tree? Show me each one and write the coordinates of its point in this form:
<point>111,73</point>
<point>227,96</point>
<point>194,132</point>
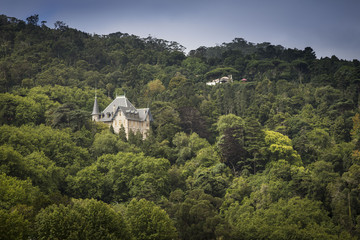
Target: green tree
<point>17,192</point>
<point>295,218</point>
<point>57,145</point>
<point>11,162</point>
<point>105,143</point>
<point>197,216</point>
<point>279,147</point>
<point>13,225</point>
<point>82,219</point>
<point>167,120</point>
<point>231,141</point>
<point>68,115</point>
<point>33,20</point>
<point>18,110</point>
<point>119,177</point>
<point>148,221</point>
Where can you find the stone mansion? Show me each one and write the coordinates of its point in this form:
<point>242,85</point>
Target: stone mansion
<point>121,113</point>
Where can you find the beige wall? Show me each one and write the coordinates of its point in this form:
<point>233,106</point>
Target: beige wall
<point>129,125</point>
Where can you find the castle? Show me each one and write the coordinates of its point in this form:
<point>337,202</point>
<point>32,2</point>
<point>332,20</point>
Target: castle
<point>121,113</point>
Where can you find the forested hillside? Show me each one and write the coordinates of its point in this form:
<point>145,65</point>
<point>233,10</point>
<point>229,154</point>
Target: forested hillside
<point>273,155</point>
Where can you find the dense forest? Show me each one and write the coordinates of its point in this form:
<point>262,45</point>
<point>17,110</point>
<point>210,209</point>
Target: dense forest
<point>275,156</point>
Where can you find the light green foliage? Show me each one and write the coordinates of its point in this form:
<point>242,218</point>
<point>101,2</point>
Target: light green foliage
<point>188,146</point>
<point>154,88</point>
<point>56,95</point>
<point>81,219</point>
<point>149,222</point>
<point>55,144</point>
<point>18,110</point>
<point>279,147</point>
<point>229,121</point>
<point>14,192</point>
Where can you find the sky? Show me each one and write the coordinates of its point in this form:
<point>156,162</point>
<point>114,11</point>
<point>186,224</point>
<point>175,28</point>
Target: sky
<point>329,27</point>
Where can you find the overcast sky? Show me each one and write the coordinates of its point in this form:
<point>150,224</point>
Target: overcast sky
<point>330,27</point>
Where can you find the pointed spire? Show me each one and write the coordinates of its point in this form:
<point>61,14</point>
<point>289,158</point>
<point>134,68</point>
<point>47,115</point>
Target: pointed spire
<point>96,107</point>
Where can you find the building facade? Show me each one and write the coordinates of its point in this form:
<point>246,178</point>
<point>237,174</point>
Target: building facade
<point>121,113</point>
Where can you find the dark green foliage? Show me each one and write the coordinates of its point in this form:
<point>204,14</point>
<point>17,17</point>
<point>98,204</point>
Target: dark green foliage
<point>197,216</point>
<point>149,222</point>
<point>118,177</point>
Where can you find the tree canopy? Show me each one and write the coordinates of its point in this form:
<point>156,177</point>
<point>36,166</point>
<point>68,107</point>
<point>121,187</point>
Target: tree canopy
<point>274,154</point>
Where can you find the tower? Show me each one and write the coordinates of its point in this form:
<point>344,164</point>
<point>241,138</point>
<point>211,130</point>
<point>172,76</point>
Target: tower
<point>95,113</point>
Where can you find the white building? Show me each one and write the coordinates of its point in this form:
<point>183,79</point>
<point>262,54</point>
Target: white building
<point>227,79</point>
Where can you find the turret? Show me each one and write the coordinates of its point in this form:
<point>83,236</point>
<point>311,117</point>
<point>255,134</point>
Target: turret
<point>95,113</point>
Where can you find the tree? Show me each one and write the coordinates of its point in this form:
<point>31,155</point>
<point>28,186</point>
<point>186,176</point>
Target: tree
<point>105,143</point>
<point>188,146</point>
<point>197,216</point>
<point>17,192</point>
<point>279,147</point>
<point>11,162</point>
<point>68,115</point>
<point>148,221</point>
<point>33,20</point>
<point>254,144</point>
<point>18,110</point>
<point>19,203</point>
<point>60,25</point>
<point>231,141</point>
<point>13,225</point>
<point>82,219</point>
<point>295,218</point>
<point>167,120</point>
<point>122,176</point>
<point>57,145</point>
<point>154,88</point>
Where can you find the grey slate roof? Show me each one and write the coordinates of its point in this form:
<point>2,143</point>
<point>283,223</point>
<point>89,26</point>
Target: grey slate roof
<point>121,103</point>
<point>95,108</point>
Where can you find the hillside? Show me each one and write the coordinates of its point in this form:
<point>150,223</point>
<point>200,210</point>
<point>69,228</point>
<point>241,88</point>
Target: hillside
<point>275,156</point>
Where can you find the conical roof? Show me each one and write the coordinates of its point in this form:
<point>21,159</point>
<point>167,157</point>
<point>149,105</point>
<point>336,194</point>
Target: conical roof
<point>96,110</point>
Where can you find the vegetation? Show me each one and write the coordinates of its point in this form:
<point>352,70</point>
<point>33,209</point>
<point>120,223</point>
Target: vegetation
<point>274,157</point>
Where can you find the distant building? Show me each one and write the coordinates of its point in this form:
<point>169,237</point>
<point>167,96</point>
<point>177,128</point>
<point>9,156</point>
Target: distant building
<point>121,113</point>
<point>227,79</point>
